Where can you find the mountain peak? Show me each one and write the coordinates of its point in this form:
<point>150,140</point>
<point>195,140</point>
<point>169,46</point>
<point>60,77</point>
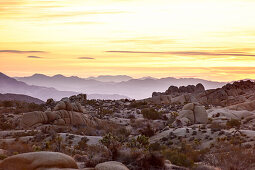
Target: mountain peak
<point>58,76</point>
<point>38,75</point>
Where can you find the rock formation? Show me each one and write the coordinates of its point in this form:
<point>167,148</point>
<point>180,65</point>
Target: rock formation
<point>61,117</point>
<point>238,96</point>
<point>38,160</point>
<point>64,113</point>
<point>191,113</point>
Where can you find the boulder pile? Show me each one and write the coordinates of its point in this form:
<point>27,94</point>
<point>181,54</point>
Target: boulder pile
<point>175,95</point>
<point>64,113</point>
<point>191,113</point>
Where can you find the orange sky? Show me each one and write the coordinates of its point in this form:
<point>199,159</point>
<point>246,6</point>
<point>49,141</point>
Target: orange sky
<point>209,39</point>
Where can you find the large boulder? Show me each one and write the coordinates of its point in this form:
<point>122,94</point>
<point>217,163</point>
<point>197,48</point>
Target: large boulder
<point>200,114</point>
<point>38,161</point>
<point>189,106</point>
<point>111,165</point>
<point>191,113</point>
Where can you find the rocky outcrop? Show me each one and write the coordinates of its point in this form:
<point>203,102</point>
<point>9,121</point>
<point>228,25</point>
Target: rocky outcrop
<point>80,98</point>
<point>60,117</point>
<point>175,95</point>
<point>185,89</point>
<point>230,94</point>
<point>65,105</point>
<point>68,111</point>
<point>38,160</point>
<point>239,94</point>
<point>111,165</point>
<point>73,103</point>
<point>191,113</point>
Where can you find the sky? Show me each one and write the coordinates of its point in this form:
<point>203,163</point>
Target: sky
<point>209,39</point>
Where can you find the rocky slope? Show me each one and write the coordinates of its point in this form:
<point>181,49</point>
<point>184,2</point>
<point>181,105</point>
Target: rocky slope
<point>20,97</point>
<point>185,127</point>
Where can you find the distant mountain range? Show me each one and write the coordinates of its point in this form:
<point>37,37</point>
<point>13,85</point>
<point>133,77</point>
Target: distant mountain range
<point>119,85</point>
<point>108,78</point>
<point>11,85</point>
<point>20,97</point>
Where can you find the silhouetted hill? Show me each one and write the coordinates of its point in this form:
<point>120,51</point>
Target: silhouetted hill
<point>20,97</point>
<point>11,85</point>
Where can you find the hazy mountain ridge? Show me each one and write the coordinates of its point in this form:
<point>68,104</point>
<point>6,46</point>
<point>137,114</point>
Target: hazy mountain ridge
<point>11,85</point>
<point>133,88</point>
<point>110,78</point>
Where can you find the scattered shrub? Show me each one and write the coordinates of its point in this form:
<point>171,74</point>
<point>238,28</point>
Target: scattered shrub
<point>151,114</point>
<point>233,123</point>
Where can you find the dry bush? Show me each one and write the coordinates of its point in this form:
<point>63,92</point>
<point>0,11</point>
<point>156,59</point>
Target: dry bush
<point>151,114</point>
<point>96,154</point>
<point>102,128</point>
<point>231,157</point>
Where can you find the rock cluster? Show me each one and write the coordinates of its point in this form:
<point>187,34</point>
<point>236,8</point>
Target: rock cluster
<point>230,94</point>
<point>191,113</point>
<point>64,113</point>
<point>61,117</point>
<point>185,89</point>
<point>239,95</point>
<point>65,105</point>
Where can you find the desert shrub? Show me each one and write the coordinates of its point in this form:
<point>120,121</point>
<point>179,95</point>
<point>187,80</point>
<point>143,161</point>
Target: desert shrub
<point>155,147</point>
<point>233,123</point>
<point>82,144</point>
<point>96,154</point>
<point>185,155</point>
<point>2,157</point>
<point>101,129</point>
<point>102,112</point>
<point>178,158</point>
<point>148,131</point>
<point>143,140</point>
<point>7,103</point>
<point>233,157</point>
<point>151,114</point>
<point>138,104</point>
<point>4,125</point>
<point>112,143</point>
<point>140,142</point>
<point>153,160</point>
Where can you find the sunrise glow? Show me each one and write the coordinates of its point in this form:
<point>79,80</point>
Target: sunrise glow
<point>207,39</point>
